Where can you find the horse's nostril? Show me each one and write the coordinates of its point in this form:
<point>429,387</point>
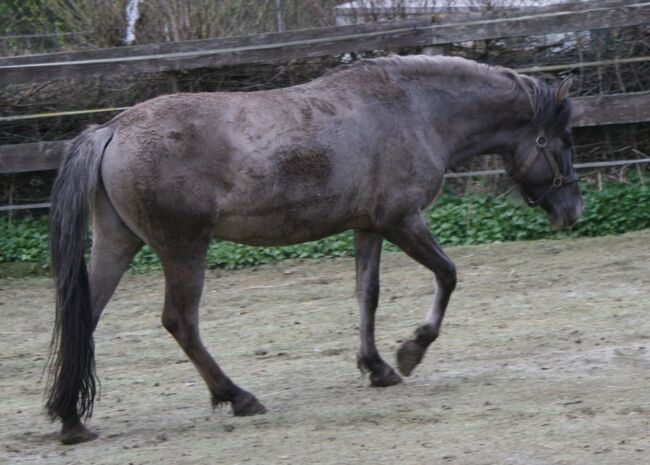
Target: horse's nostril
<point>564,217</point>
<point>573,215</point>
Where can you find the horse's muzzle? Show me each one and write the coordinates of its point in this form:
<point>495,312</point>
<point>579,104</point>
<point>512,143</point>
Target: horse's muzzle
<point>566,216</point>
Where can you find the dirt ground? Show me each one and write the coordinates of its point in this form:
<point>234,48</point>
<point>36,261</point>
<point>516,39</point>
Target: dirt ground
<point>544,359</point>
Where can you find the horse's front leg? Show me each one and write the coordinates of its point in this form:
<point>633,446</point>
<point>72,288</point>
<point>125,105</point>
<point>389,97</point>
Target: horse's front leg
<point>367,248</point>
<point>413,236</point>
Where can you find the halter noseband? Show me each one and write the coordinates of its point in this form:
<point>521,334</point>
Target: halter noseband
<point>559,180</point>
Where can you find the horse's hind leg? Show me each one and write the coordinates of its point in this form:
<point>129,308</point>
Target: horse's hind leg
<point>114,246</point>
<point>413,237</point>
<point>367,248</point>
<point>184,276</point>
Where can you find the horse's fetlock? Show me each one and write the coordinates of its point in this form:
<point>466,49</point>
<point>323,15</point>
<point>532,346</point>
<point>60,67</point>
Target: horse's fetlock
<point>384,378</point>
<point>363,363</point>
<point>219,401</point>
<point>369,363</point>
<point>75,434</point>
<point>425,335</point>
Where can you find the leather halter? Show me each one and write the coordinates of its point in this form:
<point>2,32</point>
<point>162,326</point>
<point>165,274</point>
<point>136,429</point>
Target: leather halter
<point>559,180</point>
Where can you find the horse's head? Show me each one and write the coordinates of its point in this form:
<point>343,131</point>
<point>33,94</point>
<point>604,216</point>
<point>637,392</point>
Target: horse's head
<point>542,165</point>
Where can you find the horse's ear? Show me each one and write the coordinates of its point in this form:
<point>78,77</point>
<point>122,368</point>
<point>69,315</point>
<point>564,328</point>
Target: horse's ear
<point>563,89</point>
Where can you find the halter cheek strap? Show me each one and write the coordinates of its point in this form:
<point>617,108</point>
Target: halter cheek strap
<point>559,180</point>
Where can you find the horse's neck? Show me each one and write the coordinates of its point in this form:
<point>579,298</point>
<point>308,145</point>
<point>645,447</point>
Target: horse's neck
<point>497,134</point>
<point>477,119</point>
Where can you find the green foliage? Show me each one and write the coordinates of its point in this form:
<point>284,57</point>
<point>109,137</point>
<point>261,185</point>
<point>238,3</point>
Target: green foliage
<point>24,240</point>
<point>471,219</point>
<point>24,16</point>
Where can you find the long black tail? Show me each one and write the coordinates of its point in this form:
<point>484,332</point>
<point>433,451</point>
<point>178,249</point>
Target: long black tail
<point>72,352</point>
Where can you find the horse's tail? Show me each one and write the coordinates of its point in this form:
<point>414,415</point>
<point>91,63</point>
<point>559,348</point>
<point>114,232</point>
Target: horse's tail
<point>72,351</point>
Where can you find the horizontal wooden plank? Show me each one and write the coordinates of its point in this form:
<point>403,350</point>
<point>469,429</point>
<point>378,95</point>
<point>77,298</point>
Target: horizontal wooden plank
<point>38,156</point>
<point>589,111</point>
<point>611,109</point>
<point>304,48</point>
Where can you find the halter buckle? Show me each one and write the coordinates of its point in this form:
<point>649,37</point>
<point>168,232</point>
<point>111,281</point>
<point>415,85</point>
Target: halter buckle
<point>541,142</point>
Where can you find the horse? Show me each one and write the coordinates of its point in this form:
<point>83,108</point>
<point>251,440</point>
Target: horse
<point>364,148</point>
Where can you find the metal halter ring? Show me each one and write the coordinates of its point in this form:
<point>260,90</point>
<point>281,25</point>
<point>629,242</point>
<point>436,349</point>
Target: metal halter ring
<point>541,142</point>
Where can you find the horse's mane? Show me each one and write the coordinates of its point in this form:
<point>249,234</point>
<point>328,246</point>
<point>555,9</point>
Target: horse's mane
<point>541,95</point>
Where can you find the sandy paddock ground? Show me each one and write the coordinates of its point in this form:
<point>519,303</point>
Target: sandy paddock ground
<point>544,359</point>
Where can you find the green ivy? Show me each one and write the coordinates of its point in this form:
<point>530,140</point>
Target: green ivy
<point>470,219</point>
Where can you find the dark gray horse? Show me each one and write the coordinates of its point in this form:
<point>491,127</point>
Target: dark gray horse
<point>364,148</point>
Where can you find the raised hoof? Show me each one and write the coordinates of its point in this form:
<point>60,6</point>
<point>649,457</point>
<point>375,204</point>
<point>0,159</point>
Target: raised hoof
<point>409,356</point>
<point>385,379</point>
<point>76,435</point>
<point>246,405</point>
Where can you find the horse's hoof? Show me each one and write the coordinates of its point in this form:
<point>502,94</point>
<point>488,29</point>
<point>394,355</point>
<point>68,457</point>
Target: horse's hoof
<point>385,379</point>
<point>76,435</point>
<point>409,356</point>
<point>246,405</point>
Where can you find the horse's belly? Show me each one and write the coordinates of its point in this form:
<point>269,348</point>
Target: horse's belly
<point>274,231</point>
<point>290,222</point>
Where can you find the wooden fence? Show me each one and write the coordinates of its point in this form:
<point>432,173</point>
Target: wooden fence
<point>304,44</point>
